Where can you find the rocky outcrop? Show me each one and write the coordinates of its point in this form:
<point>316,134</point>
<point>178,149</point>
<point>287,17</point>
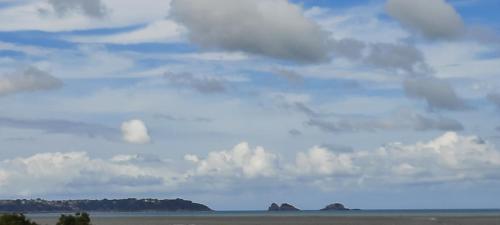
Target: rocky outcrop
<point>288,207</point>
<point>283,207</point>
<point>335,207</point>
<point>274,207</point>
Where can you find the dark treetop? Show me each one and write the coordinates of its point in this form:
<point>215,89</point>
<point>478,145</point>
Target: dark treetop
<point>123,205</point>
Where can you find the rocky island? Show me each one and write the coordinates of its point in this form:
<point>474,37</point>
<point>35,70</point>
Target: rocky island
<point>283,207</point>
<point>105,205</point>
<point>335,207</point>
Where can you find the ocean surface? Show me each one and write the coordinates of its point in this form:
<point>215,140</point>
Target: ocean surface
<point>356,213</point>
<point>361,217</point>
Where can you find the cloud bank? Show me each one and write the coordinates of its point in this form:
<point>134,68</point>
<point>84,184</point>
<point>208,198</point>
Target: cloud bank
<point>447,158</point>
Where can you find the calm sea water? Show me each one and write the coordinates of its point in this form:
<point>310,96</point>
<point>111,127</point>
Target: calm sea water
<point>357,213</point>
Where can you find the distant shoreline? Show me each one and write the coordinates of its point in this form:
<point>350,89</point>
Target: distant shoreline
<point>105,205</point>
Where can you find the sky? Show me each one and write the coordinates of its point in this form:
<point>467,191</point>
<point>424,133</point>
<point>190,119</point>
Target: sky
<point>378,104</point>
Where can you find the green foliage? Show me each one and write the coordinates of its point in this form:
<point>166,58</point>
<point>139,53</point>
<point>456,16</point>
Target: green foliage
<point>77,219</point>
<point>15,219</point>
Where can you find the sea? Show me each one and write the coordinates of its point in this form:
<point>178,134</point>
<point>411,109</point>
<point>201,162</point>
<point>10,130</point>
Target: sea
<point>355,213</point>
<point>355,217</point>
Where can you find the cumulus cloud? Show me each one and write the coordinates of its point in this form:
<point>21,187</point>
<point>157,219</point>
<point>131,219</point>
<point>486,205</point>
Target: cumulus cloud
<point>61,127</point>
<point>437,93</point>
<point>200,83</point>
<point>241,161</point>
<point>28,80</point>
<point>432,18</point>
<point>273,28</point>
<point>135,131</point>
<point>91,8</point>
<point>320,161</point>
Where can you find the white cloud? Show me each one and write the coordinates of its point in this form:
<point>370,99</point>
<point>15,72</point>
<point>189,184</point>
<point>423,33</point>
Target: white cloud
<point>135,131</point>
<point>320,161</point>
<point>432,18</point>
<point>28,80</point>
<point>273,28</point>
<point>241,161</point>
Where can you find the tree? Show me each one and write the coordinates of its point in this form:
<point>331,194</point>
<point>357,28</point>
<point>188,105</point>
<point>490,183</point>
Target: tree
<point>77,219</point>
<point>15,219</point>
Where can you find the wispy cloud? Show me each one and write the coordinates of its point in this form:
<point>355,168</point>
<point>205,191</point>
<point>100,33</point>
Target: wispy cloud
<point>62,127</point>
<point>202,84</point>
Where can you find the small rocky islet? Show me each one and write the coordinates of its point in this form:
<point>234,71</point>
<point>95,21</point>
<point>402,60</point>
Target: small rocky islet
<point>288,207</point>
<point>283,207</point>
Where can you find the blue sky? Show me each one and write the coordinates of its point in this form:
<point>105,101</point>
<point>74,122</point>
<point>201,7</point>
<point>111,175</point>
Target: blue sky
<point>238,104</point>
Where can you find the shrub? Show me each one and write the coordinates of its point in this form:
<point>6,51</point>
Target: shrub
<point>15,219</point>
<point>77,219</point>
